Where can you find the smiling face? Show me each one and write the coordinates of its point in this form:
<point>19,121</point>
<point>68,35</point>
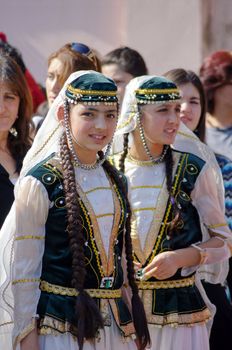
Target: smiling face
<point>190,106</point>
<point>92,127</point>
<point>160,123</point>
<point>9,106</point>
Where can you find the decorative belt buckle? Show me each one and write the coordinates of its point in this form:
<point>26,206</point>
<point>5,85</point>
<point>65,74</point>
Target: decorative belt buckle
<point>107,282</point>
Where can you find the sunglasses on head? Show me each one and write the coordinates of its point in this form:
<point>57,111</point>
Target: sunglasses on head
<point>81,48</point>
<point>84,50</point>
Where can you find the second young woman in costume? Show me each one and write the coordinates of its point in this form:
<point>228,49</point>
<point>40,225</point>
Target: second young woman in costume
<point>178,222</point>
<point>72,245</point>
<point>193,111</point>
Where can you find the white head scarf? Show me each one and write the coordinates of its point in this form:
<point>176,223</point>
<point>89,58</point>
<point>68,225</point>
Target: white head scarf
<point>47,139</point>
<point>185,141</point>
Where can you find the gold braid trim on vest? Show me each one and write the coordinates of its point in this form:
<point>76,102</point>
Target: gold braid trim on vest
<point>185,282</point>
<point>72,292</point>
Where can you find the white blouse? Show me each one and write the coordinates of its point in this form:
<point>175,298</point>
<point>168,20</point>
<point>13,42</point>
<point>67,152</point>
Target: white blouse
<point>31,207</point>
<point>148,197</point>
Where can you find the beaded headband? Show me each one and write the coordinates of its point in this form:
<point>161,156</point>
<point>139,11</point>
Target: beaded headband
<point>157,90</point>
<point>94,89</point>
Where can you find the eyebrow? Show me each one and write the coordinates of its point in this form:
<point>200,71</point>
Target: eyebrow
<point>9,92</point>
<point>163,104</point>
<point>194,98</point>
<point>96,110</point>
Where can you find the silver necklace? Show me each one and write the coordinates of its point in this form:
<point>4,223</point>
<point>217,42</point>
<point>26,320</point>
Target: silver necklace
<point>155,161</point>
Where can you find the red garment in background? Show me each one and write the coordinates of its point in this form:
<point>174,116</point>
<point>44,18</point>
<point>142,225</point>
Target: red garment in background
<point>37,94</point>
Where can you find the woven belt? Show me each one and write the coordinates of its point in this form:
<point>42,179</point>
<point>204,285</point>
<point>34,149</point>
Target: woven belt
<point>71,292</point>
<point>185,282</point>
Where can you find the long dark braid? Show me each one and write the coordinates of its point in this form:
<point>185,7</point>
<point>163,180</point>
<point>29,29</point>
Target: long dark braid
<point>87,315</point>
<point>139,316</point>
<point>124,153</point>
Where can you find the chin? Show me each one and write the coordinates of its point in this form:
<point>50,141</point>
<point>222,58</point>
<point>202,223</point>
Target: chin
<point>170,140</point>
<point>98,149</point>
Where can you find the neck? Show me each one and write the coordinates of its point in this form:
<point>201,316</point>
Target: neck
<point>3,140</point>
<point>221,117</point>
<point>84,155</point>
<point>138,152</point>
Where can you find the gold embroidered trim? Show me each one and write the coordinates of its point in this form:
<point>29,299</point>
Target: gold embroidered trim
<point>143,209</point>
<point>128,328</point>
<point>97,189</point>
<point>26,280</point>
<point>160,213</point>
<point>217,225</point>
<point>46,141</point>
<point>127,122</point>
<point>24,333</point>
<point>103,215</point>
<point>185,282</point>
<point>19,238</point>
<point>55,167</point>
<point>215,234</point>
<point>187,135</point>
<point>145,163</point>
<point>135,187</point>
<point>173,319</point>
<point>91,92</point>
<point>106,268</point>
<point>118,219</point>
<point>208,272</point>
<point>49,325</point>
<point>72,292</point>
<point>164,223</point>
<point>156,91</point>
<point>143,254</point>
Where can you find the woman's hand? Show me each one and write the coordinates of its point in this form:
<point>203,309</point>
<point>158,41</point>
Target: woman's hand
<point>163,266</point>
<point>30,341</point>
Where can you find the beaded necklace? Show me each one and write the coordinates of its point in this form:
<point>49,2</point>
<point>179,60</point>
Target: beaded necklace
<point>142,136</point>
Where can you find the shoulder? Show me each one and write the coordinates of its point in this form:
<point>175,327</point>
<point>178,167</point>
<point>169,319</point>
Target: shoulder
<point>190,160</point>
<point>49,162</point>
<point>47,171</point>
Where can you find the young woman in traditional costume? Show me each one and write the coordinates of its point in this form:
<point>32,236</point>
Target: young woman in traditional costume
<point>72,241</point>
<point>193,115</point>
<point>178,222</point>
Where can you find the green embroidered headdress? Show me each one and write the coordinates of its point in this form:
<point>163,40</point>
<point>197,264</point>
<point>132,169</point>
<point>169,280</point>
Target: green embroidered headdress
<point>92,88</point>
<point>144,90</point>
<point>157,90</point>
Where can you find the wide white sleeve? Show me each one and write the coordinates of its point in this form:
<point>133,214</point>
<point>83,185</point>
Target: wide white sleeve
<point>208,199</point>
<point>31,210</point>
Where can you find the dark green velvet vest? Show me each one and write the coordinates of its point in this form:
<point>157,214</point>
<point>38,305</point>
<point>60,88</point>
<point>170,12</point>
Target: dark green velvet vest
<point>56,311</point>
<point>188,230</point>
<point>177,301</point>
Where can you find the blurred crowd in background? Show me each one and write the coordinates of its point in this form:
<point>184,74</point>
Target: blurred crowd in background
<point>206,108</point>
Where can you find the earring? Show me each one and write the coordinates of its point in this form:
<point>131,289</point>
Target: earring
<point>13,132</point>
